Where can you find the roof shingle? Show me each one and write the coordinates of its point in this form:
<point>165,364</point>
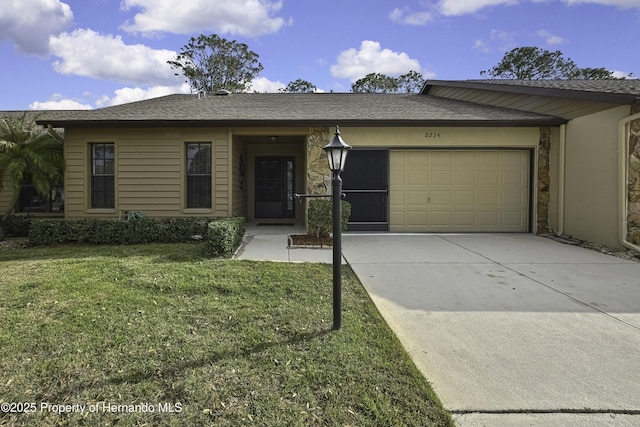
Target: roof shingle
<point>310,109</point>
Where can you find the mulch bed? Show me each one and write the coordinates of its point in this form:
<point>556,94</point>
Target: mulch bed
<point>306,241</point>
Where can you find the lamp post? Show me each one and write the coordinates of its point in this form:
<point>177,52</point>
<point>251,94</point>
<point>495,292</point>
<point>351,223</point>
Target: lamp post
<point>337,154</point>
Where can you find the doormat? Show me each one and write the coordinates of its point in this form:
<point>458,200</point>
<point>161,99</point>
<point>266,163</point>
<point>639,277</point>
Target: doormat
<point>288,224</point>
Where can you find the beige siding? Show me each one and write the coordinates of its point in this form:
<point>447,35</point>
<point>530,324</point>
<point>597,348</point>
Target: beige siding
<point>148,176</point>
<point>221,172</point>
<point>150,171</point>
<point>239,201</point>
<point>5,199</point>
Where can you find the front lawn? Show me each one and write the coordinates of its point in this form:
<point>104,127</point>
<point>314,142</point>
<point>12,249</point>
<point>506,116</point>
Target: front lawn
<point>157,335</point>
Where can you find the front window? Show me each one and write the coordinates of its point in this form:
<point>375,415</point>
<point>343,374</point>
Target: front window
<point>102,176</point>
<point>199,175</point>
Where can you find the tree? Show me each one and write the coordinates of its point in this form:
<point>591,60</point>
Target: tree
<point>28,150</point>
<point>299,86</point>
<point>533,63</point>
<point>211,63</point>
<point>594,74</point>
<point>375,83</point>
<point>410,82</point>
<point>381,83</point>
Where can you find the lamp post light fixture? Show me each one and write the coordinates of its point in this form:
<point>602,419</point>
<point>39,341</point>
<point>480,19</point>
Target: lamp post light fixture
<point>337,155</point>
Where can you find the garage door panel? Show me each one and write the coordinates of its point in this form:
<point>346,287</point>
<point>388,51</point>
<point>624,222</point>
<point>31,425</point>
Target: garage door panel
<point>441,177</point>
<point>514,158</point>
<point>512,217</point>
<point>465,178</point>
<point>513,179</point>
<point>490,159</point>
<point>465,158</point>
<point>465,218</point>
<point>513,199</point>
<point>442,217</point>
<point>417,198</point>
<point>488,218</point>
<point>465,198</point>
<point>419,159</point>
<point>417,218</point>
<point>488,178</point>
<point>440,198</point>
<point>488,198</point>
<point>417,177</point>
<point>460,190</point>
<point>441,158</point>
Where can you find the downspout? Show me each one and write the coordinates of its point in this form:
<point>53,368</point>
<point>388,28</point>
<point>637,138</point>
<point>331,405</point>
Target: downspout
<point>561,177</point>
<point>624,129</point>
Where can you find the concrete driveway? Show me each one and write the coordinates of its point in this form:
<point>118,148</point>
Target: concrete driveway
<point>511,329</point>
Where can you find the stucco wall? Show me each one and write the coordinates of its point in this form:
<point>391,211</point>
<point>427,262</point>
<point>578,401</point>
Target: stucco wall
<point>591,178</point>
<point>150,171</point>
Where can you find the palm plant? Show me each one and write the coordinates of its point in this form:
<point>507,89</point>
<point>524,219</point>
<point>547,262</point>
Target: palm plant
<point>29,150</point>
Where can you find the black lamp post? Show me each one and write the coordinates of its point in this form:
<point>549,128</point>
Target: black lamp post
<point>337,154</point>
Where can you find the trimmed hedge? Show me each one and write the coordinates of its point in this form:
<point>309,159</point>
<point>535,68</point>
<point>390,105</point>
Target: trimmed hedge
<point>320,216</point>
<point>101,231</point>
<point>224,236</point>
<point>16,225</point>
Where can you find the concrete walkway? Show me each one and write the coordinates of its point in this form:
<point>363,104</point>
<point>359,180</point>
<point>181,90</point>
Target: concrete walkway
<point>511,330</point>
<point>270,243</point>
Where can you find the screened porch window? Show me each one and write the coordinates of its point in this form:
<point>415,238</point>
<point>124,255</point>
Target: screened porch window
<point>199,175</point>
<point>102,175</point>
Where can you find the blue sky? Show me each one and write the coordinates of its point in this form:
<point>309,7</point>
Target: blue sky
<point>81,54</point>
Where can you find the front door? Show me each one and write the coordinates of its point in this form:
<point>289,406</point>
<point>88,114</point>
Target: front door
<point>274,187</point>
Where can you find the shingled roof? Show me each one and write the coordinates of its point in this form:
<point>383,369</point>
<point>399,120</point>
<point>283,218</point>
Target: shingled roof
<point>309,109</point>
<point>625,91</point>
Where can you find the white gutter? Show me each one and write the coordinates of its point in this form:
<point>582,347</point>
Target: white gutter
<point>623,156</point>
<point>561,177</point>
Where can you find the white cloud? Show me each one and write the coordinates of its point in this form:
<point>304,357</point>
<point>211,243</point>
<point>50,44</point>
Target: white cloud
<point>29,23</point>
<point>404,16</point>
<point>625,4</point>
<point>132,94</point>
<point>89,54</point>
<point>371,58</point>
<point>262,85</point>
<point>503,39</point>
<point>549,38</point>
<point>241,17</point>
<point>463,7</point>
<point>57,102</point>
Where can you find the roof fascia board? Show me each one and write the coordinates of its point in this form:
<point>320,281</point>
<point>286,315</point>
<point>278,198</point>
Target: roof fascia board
<point>545,122</point>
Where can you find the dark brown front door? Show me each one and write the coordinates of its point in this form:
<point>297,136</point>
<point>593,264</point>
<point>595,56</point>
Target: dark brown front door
<point>275,187</point>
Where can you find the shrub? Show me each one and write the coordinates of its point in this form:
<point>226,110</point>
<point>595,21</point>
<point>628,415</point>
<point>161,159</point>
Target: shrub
<point>102,231</point>
<point>321,216</point>
<point>16,225</point>
<point>224,236</point>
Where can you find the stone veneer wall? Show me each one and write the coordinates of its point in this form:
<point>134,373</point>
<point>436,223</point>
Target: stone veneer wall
<point>318,174</point>
<point>633,181</point>
<point>542,221</point>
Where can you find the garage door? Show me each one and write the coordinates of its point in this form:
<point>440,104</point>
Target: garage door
<point>459,190</point>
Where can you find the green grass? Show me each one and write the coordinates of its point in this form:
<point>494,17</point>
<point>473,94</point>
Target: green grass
<point>225,342</point>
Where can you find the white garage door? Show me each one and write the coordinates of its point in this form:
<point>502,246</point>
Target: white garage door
<point>459,190</point>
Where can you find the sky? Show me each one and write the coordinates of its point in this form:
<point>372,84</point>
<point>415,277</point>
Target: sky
<point>87,54</point>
